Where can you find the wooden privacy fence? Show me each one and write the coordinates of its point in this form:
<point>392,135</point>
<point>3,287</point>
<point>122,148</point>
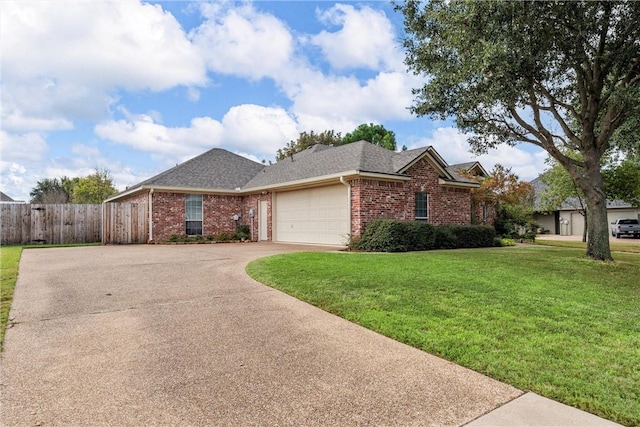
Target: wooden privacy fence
<point>125,223</point>
<point>121,223</point>
<point>52,224</point>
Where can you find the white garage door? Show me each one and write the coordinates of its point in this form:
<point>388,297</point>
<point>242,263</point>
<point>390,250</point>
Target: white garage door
<point>317,215</point>
<point>577,224</point>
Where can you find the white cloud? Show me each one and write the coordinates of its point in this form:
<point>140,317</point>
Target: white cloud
<point>105,44</point>
<point>63,61</point>
<point>242,41</point>
<point>142,133</point>
<point>384,97</point>
<point>14,180</point>
<point>452,145</point>
<point>258,129</point>
<point>25,147</point>
<point>244,128</point>
<point>366,39</point>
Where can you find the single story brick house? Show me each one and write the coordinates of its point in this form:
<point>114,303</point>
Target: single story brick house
<point>322,195</point>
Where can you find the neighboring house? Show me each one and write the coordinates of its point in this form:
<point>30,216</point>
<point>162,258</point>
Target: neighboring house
<point>6,199</point>
<point>321,195</point>
<point>568,220</point>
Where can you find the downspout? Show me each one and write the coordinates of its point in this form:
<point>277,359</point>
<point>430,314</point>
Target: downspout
<point>345,183</point>
<point>150,216</point>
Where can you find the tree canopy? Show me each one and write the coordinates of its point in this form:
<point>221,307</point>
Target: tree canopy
<point>94,188</point>
<point>375,134</point>
<point>53,190</point>
<point>559,75</point>
<point>91,189</point>
<point>511,197</point>
<point>309,139</point>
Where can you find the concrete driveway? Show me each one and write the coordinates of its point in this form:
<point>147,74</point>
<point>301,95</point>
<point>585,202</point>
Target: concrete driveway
<point>180,335</point>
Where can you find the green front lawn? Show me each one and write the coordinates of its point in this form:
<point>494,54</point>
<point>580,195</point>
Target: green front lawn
<point>542,319</point>
<point>620,245</point>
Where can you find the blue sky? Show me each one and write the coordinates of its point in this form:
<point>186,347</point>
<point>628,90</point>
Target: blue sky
<point>136,87</point>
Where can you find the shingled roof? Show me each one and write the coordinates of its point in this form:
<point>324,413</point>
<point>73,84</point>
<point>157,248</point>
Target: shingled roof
<point>5,198</point>
<point>217,169</point>
<point>461,171</point>
<point>359,156</point>
<point>220,170</point>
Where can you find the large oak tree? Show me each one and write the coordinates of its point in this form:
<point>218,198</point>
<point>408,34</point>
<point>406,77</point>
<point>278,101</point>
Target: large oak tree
<point>560,75</point>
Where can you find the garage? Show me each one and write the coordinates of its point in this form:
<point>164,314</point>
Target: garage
<point>316,215</point>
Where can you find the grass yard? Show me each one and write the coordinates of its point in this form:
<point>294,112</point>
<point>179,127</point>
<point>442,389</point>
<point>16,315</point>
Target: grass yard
<point>539,318</point>
<point>620,245</point>
<point>9,260</point>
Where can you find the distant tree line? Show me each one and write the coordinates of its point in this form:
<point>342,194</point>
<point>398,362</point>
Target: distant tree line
<point>90,189</point>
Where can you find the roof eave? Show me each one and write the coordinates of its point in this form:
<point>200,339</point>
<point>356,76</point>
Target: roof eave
<point>458,184</point>
<point>168,189</point>
<point>325,179</point>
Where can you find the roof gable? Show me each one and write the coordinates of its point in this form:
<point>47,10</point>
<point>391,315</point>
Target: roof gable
<point>216,169</point>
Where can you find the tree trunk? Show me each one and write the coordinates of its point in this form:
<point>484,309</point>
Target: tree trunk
<point>586,225</point>
<point>598,231</point>
<point>592,184</point>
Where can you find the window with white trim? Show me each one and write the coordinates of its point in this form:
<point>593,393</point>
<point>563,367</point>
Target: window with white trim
<point>422,206</point>
<point>193,210</point>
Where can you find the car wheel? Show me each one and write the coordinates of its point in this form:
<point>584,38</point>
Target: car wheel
<point>617,235</point>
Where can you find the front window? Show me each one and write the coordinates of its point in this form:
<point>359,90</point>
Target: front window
<point>422,206</point>
<point>193,209</point>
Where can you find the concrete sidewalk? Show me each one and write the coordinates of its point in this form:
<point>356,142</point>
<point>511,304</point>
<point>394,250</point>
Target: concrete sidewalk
<point>180,335</point>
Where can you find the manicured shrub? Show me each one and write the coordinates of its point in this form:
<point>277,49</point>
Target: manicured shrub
<point>470,236</point>
<point>385,235</point>
<point>222,236</point>
<point>446,238</point>
<point>507,242</point>
<point>421,236</point>
<point>242,232</point>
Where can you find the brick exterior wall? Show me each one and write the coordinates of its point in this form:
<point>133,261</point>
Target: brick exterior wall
<point>217,214</point>
<point>253,202</point>
<point>477,214</point>
<point>371,199</point>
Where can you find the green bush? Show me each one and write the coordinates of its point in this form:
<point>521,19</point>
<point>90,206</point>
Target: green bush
<point>387,235</point>
<point>384,235</point>
<point>222,236</point>
<point>472,236</point>
<point>421,236</point>
<point>446,238</point>
<point>176,238</point>
<point>242,232</point>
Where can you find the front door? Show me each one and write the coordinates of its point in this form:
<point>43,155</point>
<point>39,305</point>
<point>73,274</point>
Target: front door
<point>262,224</point>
